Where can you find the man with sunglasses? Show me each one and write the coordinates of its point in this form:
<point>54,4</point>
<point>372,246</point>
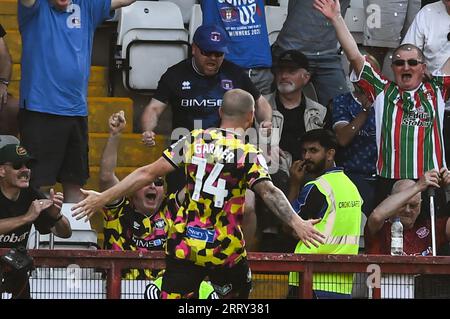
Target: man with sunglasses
<point>21,206</point>
<point>135,222</point>
<point>409,111</point>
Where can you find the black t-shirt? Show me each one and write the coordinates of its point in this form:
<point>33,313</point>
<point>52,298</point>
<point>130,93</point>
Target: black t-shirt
<point>2,31</point>
<point>8,209</point>
<point>198,97</point>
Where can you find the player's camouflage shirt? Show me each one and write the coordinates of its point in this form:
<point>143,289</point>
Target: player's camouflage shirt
<point>219,167</point>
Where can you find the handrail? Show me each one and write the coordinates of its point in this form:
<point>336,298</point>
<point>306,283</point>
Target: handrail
<point>114,261</point>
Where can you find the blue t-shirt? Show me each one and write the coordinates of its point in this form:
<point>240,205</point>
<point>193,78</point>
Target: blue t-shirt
<point>245,23</point>
<point>56,54</point>
<point>360,156</point>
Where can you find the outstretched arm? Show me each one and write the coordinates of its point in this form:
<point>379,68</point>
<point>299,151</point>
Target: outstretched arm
<point>391,204</point>
<point>108,161</point>
<point>136,180</point>
<point>278,203</point>
<point>331,9</point>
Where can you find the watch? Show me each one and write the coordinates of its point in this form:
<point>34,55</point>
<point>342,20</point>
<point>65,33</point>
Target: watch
<point>4,81</point>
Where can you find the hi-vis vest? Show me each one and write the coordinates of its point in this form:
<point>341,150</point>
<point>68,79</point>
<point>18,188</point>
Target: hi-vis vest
<point>205,290</point>
<point>341,226</point>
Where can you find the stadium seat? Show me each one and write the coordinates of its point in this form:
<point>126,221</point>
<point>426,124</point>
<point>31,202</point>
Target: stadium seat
<point>275,17</point>
<point>151,37</point>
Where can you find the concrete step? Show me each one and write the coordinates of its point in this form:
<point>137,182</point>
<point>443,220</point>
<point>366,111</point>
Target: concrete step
<point>101,108</point>
<point>8,7</point>
<point>131,150</point>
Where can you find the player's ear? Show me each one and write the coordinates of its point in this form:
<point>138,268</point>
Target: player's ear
<point>220,112</point>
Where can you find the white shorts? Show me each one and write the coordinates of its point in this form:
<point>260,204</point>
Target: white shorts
<point>387,21</point>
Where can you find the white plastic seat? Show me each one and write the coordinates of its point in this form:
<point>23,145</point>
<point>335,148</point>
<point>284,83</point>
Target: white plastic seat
<point>151,38</point>
<point>275,17</point>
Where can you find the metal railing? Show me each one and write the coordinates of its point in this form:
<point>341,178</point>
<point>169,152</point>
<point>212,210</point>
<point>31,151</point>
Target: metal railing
<point>111,263</point>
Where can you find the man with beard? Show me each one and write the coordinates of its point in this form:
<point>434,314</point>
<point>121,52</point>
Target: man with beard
<point>300,114</point>
<point>21,206</point>
<point>334,199</point>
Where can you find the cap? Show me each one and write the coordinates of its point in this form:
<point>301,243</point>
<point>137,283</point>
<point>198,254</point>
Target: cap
<point>14,153</point>
<point>211,38</point>
<point>293,59</point>
<point>8,139</point>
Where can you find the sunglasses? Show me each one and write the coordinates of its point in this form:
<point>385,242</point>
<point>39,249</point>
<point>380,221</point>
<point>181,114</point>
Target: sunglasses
<point>19,165</point>
<point>411,62</point>
<point>212,53</point>
<point>448,36</point>
<point>159,182</point>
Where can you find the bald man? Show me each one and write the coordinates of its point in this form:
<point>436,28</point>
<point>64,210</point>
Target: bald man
<point>205,238</point>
